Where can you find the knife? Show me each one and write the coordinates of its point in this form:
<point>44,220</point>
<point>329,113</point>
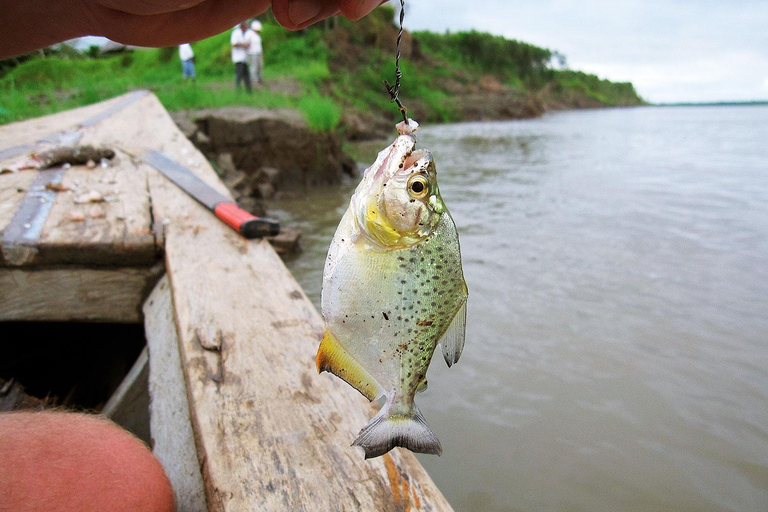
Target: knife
<point>224,208</point>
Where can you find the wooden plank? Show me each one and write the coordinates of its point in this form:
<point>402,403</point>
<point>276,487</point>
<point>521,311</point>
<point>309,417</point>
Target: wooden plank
<point>117,232</point>
<point>271,434</point>
<point>146,125</point>
<point>13,188</point>
<point>274,435</point>
<point>28,132</point>
<point>76,294</point>
<point>19,243</point>
<point>129,404</point>
<point>173,441</point>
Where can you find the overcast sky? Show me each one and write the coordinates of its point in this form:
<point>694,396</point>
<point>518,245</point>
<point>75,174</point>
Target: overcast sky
<point>673,50</point>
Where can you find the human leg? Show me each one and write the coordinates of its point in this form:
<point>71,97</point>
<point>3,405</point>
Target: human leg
<point>67,462</point>
<point>241,75</point>
<point>246,77</point>
<point>238,74</point>
<point>259,67</point>
<point>252,69</point>
<point>188,69</point>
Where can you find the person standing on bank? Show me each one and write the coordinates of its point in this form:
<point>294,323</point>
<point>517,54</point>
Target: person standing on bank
<point>240,45</point>
<point>255,61</point>
<point>187,57</point>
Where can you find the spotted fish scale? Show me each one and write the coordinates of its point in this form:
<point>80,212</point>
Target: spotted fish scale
<point>393,287</point>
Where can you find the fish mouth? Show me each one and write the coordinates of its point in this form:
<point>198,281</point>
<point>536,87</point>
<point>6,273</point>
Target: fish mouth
<point>415,157</point>
<point>393,158</point>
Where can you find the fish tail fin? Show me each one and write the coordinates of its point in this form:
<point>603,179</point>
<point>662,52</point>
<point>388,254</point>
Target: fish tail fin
<point>386,431</point>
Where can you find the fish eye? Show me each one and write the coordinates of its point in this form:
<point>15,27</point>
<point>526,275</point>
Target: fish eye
<point>418,186</point>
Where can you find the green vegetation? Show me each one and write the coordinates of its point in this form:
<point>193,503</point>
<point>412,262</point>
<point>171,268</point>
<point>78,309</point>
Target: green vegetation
<point>567,83</point>
<point>323,71</point>
<point>321,112</point>
<point>518,64</point>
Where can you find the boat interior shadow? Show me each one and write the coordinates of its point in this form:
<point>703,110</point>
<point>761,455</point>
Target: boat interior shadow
<point>69,365</point>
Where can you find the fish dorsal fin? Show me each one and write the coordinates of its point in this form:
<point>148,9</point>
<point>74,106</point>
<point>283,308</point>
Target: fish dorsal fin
<point>334,358</point>
<point>452,341</point>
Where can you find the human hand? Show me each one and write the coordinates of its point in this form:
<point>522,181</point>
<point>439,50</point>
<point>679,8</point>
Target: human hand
<point>169,22</point>
<point>298,14</point>
<point>30,24</point>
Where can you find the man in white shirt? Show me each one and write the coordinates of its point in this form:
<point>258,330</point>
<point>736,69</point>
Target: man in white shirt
<point>187,57</point>
<point>240,45</point>
<point>255,61</point>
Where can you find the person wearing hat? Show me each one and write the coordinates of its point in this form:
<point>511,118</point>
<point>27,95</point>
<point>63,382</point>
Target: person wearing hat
<point>255,61</point>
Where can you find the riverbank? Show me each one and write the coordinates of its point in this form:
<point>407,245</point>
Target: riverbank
<point>617,264</point>
<point>332,73</point>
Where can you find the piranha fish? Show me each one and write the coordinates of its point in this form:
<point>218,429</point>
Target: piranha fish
<point>393,288</point>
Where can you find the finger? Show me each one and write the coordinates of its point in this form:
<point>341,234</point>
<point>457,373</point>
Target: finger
<point>149,7</point>
<point>298,14</point>
<point>356,9</point>
<point>205,19</point>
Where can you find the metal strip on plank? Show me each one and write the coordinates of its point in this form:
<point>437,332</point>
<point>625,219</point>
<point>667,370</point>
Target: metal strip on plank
<point>67,138</point>
<point>134,96</point>
<point>15,151</point>
<point>26,226</point>
<point>72,137</point>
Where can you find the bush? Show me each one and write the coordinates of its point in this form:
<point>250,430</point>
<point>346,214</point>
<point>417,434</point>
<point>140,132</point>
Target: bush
<point>321,113</point>
<point>166,53</point>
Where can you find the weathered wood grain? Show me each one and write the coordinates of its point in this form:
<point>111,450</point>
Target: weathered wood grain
<point>76,294</point>
<point>30,131</point>
<point>271,433</point>
<point>115,232</point>
<point>249,336</point>
<point>13,187</point>
<point>129,404</point>
<point>173,441</point>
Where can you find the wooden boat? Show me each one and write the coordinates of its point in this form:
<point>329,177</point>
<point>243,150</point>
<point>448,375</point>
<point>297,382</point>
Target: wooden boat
<point>239,417</point>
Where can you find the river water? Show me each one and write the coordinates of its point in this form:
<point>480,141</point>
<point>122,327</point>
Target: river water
<point>617,332</point>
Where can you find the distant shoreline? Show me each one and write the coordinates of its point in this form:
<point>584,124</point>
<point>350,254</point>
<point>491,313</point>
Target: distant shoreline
<point>712,104</point>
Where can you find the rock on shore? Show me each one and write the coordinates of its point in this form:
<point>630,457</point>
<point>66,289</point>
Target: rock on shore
<point>260,153</point>
<point>273,147</point>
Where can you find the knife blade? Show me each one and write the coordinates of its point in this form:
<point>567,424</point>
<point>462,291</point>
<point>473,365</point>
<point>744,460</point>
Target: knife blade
<point>248,225</point>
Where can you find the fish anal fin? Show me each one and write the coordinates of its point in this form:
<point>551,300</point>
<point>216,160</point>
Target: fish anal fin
<point>333,357</point>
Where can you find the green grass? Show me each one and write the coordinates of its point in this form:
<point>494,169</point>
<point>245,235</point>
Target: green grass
<point>194,96</point>
<point>321,112</point>
<point>336,69</point>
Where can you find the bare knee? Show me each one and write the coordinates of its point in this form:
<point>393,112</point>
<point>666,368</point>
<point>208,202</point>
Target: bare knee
<point>58,461</point>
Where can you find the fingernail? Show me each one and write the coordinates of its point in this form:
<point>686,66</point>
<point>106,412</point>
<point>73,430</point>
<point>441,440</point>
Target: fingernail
<point>367,6</point>
<point>300,11</point>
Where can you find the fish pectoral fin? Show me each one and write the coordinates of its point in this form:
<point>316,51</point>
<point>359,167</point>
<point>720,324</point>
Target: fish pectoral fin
<point>334,358</point>
<point>452,341</point>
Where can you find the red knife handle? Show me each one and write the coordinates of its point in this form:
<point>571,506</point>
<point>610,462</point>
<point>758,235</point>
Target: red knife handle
<point>244,223</point>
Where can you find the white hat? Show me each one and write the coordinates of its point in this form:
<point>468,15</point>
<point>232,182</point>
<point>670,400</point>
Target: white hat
<point>256,25</point>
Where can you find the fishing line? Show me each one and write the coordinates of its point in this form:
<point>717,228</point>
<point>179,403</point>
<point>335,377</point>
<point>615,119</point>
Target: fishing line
<point>394,91</point>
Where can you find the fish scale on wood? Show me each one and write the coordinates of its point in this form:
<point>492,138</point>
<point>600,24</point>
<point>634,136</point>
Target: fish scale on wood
<point>393,288</point>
